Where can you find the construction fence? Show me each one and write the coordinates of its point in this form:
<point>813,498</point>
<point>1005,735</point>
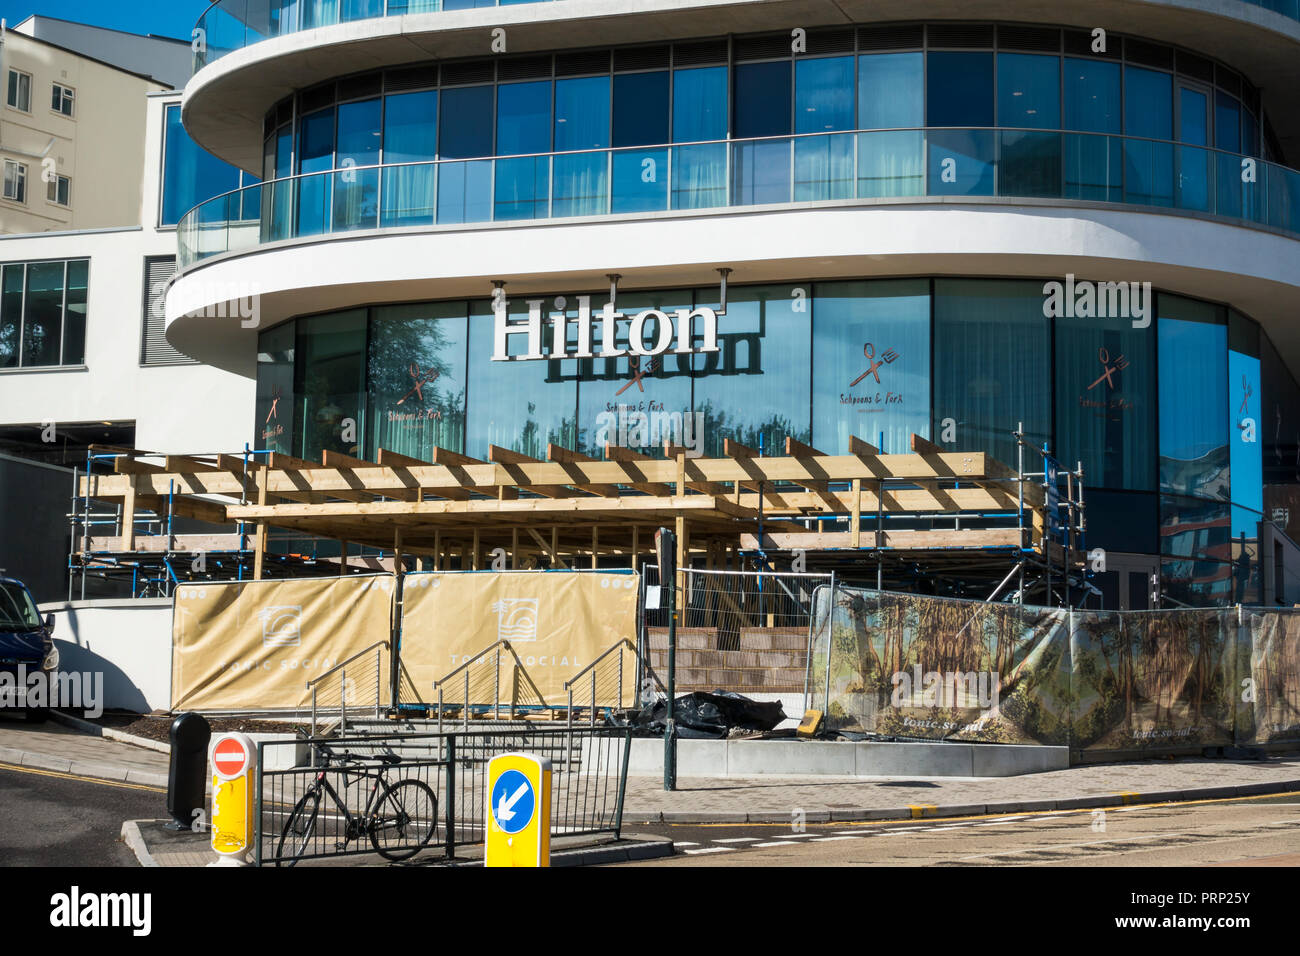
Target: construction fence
<point>919,667</point>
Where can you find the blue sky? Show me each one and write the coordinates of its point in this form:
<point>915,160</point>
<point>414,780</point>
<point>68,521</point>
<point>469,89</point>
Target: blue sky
<point>173,18</point>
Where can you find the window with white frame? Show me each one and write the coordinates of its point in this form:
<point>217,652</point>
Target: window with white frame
<point>20,91</point>
<point>15,185</point>
<point>61,100</point>
<point>59,190</point>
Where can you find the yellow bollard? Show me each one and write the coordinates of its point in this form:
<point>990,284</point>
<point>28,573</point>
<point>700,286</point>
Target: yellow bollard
<point>233,758</point>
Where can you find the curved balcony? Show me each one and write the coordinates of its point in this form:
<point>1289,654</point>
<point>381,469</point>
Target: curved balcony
<point>230,25</point>
<point>696,178</point>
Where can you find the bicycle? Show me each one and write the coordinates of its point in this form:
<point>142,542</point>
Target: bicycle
<point>399,818</point>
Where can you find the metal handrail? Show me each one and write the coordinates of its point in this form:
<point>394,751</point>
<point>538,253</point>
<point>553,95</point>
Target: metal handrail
<point>619,644</point>
<point>439,684</point>
<point>343,664</point>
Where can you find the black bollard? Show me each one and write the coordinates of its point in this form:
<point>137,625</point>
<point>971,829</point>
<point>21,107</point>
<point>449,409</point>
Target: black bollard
<point>187,774</point>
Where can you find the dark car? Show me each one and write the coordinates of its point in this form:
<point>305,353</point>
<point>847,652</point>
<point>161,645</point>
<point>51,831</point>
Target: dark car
<point>26,646</point>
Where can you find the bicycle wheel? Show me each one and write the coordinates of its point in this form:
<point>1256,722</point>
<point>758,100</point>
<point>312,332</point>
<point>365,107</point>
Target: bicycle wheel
<point>298,829</point>
<point>405,820</point>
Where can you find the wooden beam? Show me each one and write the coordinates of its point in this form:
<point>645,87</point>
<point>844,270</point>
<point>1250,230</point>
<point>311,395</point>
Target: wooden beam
<point>566,456</point>
<point>978,538</point>
<point>734,449</point>
<point>509,459</point>
<point>617,453</point>
<point>185,464</point>
<point>797,449</point>
<point>923,446</point>
<point>128,517</point>
<point>259,537</point>
<point>862,449</point>
<point>856,514</point>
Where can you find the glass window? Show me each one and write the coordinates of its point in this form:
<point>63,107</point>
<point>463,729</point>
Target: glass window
<point>411,127</point>
<point>823,103</point>
<point>1092,96</point>
<point>640,109</point>
<point>521,406</point>
<point>959,89</point>
<point>15,184</point>
<point>891,91</point>
<point>700,104</point>
<point>43,314</point>
<point>1227,122</point>
<point>465,124</point>
<point>962,162</point>
<point>1105,394</point>
<point>418,379</point>
<point>59,190</point>
<point>823,95</point>
<point>1281,413</point>
<point>274,403</point>
<point>1148,103</point>
<point>871,364</point>
<point>1194,456</point>
<point>582,113</point>
<point>410,136</point>
<point>992,365</point>
<point>356,191</point>
<point>191,175</point>
<point>524,118</point>
<point>315,154</point>
<point>763,93</point>
<point>11,314</point>
<point>74,314</point>
<point>1245,414</point>
<point>1029,91</point>
<point>19,94</point>
<point>758,389</point>
<point>638,401</point>
<point>61,99</point>
<point>330,384</point>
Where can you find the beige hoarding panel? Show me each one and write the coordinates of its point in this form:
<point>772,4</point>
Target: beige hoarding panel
<point>557,622</point>
<point>254,645</point>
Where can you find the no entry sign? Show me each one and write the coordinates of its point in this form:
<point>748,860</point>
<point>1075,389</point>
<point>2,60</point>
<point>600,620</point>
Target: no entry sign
<point>231,755</point>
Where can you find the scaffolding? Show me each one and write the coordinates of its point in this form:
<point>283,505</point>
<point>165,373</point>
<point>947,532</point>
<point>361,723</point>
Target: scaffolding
<point>932,520</point>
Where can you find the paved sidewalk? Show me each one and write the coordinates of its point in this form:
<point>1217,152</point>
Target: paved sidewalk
<point>52,747</point>
<point>772,799</point>
<point>775,799</point>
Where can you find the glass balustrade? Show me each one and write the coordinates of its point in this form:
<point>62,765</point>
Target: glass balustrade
<point>814,168</point>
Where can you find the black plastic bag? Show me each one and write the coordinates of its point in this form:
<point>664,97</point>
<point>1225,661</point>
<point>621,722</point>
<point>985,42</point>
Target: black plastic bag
<point>711,716</point>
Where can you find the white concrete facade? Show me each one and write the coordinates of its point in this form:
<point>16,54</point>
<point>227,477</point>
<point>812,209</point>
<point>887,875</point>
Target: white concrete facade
<point>175,408</point>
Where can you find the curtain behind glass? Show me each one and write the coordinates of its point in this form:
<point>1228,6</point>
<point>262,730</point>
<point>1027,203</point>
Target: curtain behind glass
<point>1105,401</point>
<point>992,365</point>
<point>871,363</point>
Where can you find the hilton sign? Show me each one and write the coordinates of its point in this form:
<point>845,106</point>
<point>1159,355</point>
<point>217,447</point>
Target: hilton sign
<point>680,328</point>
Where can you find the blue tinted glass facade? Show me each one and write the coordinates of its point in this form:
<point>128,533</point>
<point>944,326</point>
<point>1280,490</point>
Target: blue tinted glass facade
<point>192,175</point>
<point>1163,418</point>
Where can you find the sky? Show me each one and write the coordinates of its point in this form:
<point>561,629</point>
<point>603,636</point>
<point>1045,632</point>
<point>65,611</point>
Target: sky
<point>174,18</point>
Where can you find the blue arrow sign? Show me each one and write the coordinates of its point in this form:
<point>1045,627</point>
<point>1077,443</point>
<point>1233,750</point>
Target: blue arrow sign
<point>514,801</point>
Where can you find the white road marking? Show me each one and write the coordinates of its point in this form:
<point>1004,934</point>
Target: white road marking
<point>683,843</point>
<point>792,836</point>
<point>713,849</point>
<point>738,840</point>
<point>758,845</point>
<point>828,839</point>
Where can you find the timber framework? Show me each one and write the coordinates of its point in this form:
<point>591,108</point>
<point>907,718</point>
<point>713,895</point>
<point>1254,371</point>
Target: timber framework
<point>928,516</point>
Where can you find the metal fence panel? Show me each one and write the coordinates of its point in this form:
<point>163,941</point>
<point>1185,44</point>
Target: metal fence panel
<point>308,812</point>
